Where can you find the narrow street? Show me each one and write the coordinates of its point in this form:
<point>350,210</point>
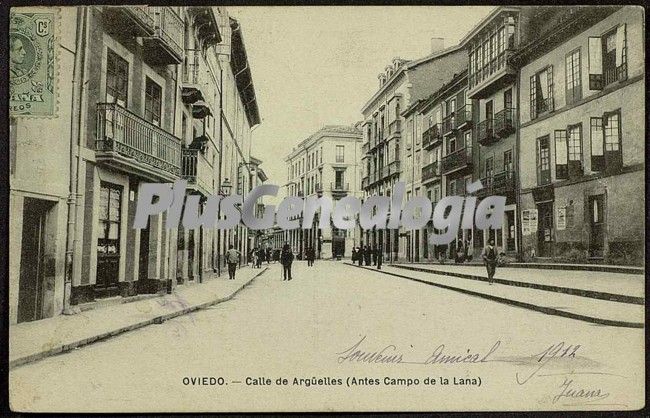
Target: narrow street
<point>306,328</point>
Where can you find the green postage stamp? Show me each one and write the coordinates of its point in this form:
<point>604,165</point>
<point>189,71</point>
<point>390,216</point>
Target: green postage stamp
<point>32,62</point>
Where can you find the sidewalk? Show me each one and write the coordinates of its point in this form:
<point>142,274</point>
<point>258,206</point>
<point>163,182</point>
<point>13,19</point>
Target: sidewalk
<point>605,268</point>
<point>31,341</point>
<point>596,311</point>
<point>586,283</point>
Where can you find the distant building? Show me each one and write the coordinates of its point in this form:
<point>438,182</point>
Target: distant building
<point>392,150</point>
<point>326,163</point>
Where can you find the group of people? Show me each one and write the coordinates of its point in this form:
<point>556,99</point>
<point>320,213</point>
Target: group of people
<point>367,255</point>
<point>258,255</point>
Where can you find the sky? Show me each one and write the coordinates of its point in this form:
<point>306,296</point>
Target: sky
<point>315,66</point>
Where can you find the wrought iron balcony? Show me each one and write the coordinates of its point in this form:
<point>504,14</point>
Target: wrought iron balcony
<point>456,160</point>
<point>502,183</point>
<point>166,45</point>
<point>542,106</point>
<point>130,143</point>
<point>449,124</point>
<point>365,182</point>
<point>504,122</point>
<point>464,116</point>
<point>197,84</point>
<point>432,136</point>
<point>133,21</point>
<point>431,171</point>
<point>485,132</point>
<point>198,171</point>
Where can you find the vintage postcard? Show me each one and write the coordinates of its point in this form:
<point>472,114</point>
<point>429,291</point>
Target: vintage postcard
<point>326,209</point>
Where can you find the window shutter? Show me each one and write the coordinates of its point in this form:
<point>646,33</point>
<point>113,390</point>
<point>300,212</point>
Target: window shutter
<point>595,63</point>
<point>620,44</point>
<point>621,52</point>
<point>597,144</point>
<point>533,104</point>
<point>549,79</point>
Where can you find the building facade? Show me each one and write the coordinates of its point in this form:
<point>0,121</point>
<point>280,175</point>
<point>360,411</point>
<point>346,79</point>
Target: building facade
<point>492,86</point>
<point>392,149</point>
<point>582,153</point>
<point>325,164</point>
<point>161,85</point>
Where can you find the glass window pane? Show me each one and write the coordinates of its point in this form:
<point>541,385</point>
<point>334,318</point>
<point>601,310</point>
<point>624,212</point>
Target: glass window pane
<point>113,230</point>
<point>103,203</point>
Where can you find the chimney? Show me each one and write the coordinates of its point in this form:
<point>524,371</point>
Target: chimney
<point>437,45</point>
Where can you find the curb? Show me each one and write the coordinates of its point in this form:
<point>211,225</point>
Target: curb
<point>525,305</point>
<point>557,266</point>
<point>131,327</point>
<point>593,294</point>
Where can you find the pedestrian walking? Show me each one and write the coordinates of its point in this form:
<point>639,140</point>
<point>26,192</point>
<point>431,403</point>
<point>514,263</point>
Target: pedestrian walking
<point>354,255</point>
<point>380,257</point>
<point>261,254</point>
<point>232,258</point>
<point>360,256</point>
<point>490,259</point>
<point>286,258</point>
<point>367,255</point>
<point>374,256</point>
<point>268,255</point>
<point>460,252</point>
<point>311,255</point>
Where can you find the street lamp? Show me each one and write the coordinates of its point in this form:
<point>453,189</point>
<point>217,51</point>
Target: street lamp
<point>224,190</point>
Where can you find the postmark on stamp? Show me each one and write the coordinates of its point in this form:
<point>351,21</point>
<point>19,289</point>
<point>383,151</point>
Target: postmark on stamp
<point>32,62</point>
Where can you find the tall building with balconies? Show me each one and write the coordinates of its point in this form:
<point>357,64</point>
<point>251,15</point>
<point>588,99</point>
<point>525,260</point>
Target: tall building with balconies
<point>157,94</point>
<point>447,167</point>
<point>492,87</point>
<point>391,144</point>
<point>327,163</point>
<point>581,162</point>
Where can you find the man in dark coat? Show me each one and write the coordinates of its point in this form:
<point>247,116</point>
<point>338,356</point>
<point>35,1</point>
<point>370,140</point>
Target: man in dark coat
<point>268,255</point>
<point>286,258</point>
<point>380,257</point>
<point>367,255</point>
<point>374,256</point>
<point>360,256</point>
<point>490,259</point>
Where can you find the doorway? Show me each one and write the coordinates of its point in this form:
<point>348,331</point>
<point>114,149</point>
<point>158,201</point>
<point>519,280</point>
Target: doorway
<point>545,230</point>
<point>108,241</point>
<point>596,225</point>
<point>32,261</point>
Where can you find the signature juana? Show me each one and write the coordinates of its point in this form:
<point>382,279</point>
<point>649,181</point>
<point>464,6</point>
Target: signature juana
<point>390,354</point>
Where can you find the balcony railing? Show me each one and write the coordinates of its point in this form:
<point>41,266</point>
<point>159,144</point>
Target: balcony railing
<point>129,20</point>
<point>431,171</point>
<point>485,132</point>
<point>504,122</point>
<point>198,85</point>
<point>127,134</point>
<point>339,187</point>
<point>365,182</point>
<point>464,116</point>
<point>498,184</point>
<point>458,159</point>
<point>197,170</point>
<point>166,45</point>
<point>611,75</point>
<point>542,106</point>
<point>449,123</point>
<point>432,135</point>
